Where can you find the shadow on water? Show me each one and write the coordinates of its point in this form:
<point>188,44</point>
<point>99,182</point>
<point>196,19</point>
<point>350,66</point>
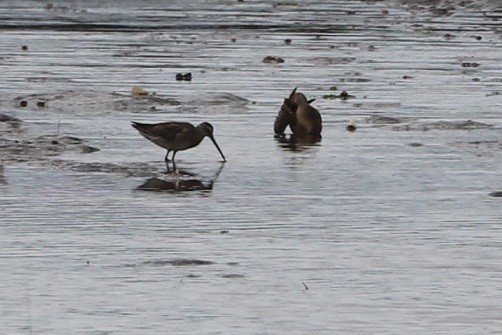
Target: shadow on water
<point>181,181</point>
<point>295,143</point>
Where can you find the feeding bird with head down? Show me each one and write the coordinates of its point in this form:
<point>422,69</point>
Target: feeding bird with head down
<point>176,136</point>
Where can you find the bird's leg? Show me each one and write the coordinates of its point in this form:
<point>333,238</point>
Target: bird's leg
<point>174,163</point>
<point>166,159</point>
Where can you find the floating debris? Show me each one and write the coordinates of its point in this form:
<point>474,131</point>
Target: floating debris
<point>343,96</point>
<point>41,104</point>
<point>496,194</point>
<point>287,41</point>
<point>24,47</point>
<point>352,126</point>
<point>184,76</point>
<point>23,103</point>
<point>273,60</point>
<point>139,92</point>
<point>467,64</point>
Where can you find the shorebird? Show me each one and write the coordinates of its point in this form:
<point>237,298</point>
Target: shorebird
<point>176,136</point>
<point>303,119</point>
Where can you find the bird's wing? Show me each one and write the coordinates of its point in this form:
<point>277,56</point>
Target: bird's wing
<point>168,131</point>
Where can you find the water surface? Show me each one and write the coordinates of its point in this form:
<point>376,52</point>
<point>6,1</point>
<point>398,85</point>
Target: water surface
<point>389,229</point>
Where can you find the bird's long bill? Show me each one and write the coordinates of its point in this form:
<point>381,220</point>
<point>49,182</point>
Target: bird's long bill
<point>292,93</point>
<point>218,147</point>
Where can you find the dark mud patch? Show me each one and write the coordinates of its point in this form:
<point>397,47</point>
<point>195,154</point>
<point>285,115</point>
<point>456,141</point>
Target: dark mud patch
<point>442,125</point>
<point>131,170</point>
<point>3,181</point>
<point>84,103</point>
<point>480,144</point>
<point>9,119</point>
<point>385,120</point>
<point>322,61</point>
<point>232,276</point>
<point>78,103</point>
<point>40,148</point>
<point>178,262</point>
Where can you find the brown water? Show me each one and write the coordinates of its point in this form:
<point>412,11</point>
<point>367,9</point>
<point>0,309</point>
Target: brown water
<point>391,229</point>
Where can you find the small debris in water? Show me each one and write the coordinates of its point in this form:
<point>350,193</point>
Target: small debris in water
<point>138,91</point>
<point>233,40</point>
<point>496,194</point>
<point>40,103</point>
<point>415,144</point>
<point>184,76</point>
<point>407,77</point>
<point>273,60</point>
<point>224,232</point>
<point>24,48</point>
<point>467,64</point>
<point>479,38</point>
<point>343,96</point>
<point>23,103</point>
<point>287,41</point>
<point>306,287</point>
<point>352,126</point>
<point>87,149</point>
<point>371,48</point>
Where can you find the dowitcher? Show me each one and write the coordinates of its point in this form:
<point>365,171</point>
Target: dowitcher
<point>176,136</point>
<point>303,119</point>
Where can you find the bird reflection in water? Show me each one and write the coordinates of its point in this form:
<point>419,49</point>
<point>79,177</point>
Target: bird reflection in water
<point>181,181</point>
<point>295,143</point>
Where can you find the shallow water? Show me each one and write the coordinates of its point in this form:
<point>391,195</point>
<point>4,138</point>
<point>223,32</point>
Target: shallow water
<point>389,229</point>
